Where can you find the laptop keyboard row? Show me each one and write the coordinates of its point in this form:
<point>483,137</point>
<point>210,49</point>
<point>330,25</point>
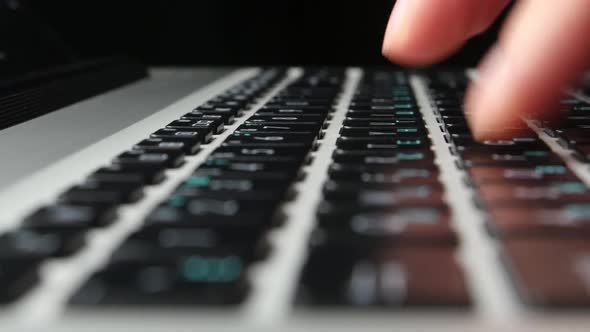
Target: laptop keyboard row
<point>384,236</point>
<point>384,233</point>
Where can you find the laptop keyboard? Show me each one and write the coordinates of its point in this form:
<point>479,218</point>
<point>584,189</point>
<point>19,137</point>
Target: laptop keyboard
<point>385,234</point>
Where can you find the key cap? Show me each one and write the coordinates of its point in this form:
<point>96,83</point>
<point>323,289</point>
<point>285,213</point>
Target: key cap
<point>216,125</point>
<point>262,151</point>
<point>388,276</point>
<point>402,176</point>
<point>227,117</point>
<point>228,184</point>
<point>379,167</point>
<point>157,159</point>
<point>249,243</point>
<point>17,278</point>
<point>550,272</point>
<point>417,194</point>
<point>103,193</point>
<point>144,275</point>
<point>212,212</point>
<point>484,174</point>
<point>246,137</point>
<point>285,125</point>
<point>318,118</point>
<point>401,225</point>
<point>376,143</point>
<point>250,167</point>
<point>28,244</point>
<point>382,132</point>
<point>191,136</point>
<point>236,111</point>
<point>528,143</point>
<point>279,128</point>
<point>119,173</point>
<point>278,141</point>
<point>160,144</point>
<point>57,217</point>
<point>276,111</point>
<point>380,123</point>
<point>526,158</point>
<point>374,157</point>
<point>556,221</point>
<point>534,195</point>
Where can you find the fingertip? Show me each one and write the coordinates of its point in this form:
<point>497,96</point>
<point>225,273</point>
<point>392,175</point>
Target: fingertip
<point>409,54</point>
<point>423,32</point>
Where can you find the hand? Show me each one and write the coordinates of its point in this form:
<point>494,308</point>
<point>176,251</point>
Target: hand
<point>543,47</point>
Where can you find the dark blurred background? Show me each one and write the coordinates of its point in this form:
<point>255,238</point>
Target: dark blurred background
<point>222,32</point>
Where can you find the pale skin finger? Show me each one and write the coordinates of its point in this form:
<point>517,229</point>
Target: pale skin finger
<point>541,49</point>
<point>421,32</point>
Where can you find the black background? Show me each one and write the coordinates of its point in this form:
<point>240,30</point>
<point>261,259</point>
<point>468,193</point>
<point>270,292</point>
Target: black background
<point>231,32</point>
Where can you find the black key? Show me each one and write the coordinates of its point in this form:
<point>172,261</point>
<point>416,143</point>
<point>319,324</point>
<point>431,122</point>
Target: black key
<point>299,105</point>
<point>525,158</point>
<point>270,140</point>
<point>402,176</point>
<point>382,132</point>
<point>376,143</point>
<point>28,244</point>
<point>534,195</point>
<point>292,111</point>
<point>565,220</point>
<point>403,195</point>
<point>132,172</point>
<point>157,158</point>
<point>402,225</point>
<point>222,184</point>
<point>527,143</point>
<point>288,119</point>
<point>215,125</point>
<point>249,166</point>
<point>191,136</point>
<point>387,276</point>
<point>161,144</point>
<point>227,117</point>
<point>17,277</point>
<point>378,116</point>
<point>220,172</point>
<point>248,243</point>
<point>212,212</point>
<point>143,274</point>
<point>236,111</point>
<point>500,149</point>
<point>283,125</point>
<point>262,150</point>
<point>320,118</point>
<point>409,112</point>
<point>282,128</point>
<point>118,175</point>
<point>380,123</point>
<point>98,193</point>
<point>253,131</point>
<point>247,157</point>
<point>188,192</point>
<point>373,157</point>
<point>62,216</point>
<point>485,174</point>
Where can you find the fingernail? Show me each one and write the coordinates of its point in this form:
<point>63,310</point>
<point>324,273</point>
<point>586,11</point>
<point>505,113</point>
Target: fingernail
<point>486,100</point>
<point>396,32</point>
